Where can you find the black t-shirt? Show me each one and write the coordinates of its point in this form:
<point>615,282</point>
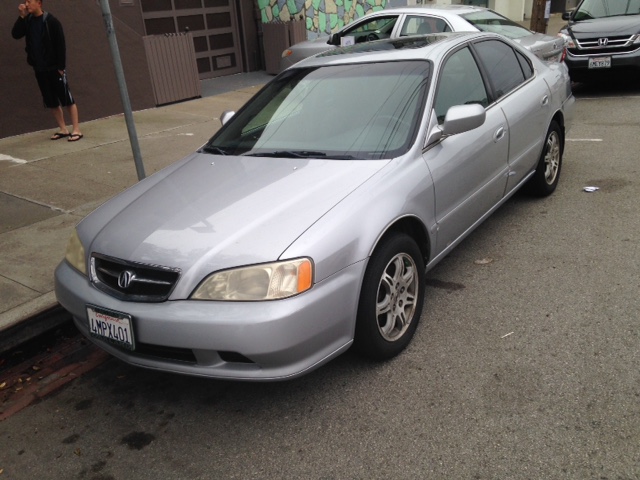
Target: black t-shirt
<point>36,26</point>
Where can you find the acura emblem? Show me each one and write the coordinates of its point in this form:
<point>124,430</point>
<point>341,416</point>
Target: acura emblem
<point>602,42</point>
<point>125,278</point>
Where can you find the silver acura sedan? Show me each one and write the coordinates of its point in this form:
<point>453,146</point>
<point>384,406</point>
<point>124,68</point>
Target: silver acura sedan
<point>424,19</point>
<point>306,224</point>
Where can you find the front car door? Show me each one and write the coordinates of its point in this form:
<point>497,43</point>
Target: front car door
<point>369,29</point>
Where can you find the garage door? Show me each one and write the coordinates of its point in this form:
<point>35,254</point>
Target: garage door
<point>213,24</point>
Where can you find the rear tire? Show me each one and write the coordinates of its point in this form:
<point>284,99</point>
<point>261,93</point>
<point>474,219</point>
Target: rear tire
<point>545,180</point>
<point>391,298</point>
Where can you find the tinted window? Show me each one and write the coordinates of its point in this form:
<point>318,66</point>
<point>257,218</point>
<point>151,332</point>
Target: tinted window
<point>488,21</point>
<point>361,111</point>
<point>501,64</point>
<point>372,29</point>
<point>527,69</point>
<point>460,83</point>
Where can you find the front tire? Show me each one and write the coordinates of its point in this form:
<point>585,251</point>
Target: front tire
<point>391,299</point>
<point>545,179</point>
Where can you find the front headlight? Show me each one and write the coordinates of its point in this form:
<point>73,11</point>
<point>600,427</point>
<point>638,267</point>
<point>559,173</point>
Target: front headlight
<point>75,254</point>
<point>270,281</point>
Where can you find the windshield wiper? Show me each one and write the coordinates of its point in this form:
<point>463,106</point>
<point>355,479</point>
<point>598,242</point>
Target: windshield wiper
<point>214,150</point>
<point>299,154</point>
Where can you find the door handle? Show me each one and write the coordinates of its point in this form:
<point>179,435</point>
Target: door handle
<point>545,100</point>
<point>499,134</point>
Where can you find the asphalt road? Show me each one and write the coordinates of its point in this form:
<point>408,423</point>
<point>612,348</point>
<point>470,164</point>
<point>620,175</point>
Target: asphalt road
<point>526,364</point>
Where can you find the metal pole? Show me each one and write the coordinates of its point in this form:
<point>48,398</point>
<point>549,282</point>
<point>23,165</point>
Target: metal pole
<point>124,94</point>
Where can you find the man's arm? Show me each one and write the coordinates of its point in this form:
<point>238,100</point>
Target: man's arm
<point>19,29</point>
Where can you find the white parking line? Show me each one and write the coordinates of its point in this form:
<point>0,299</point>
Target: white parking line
<point>584,140</point>
<point>11,159</point>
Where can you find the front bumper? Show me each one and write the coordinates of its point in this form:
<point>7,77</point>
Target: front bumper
<point>579,64</point>
<point>277,340</point>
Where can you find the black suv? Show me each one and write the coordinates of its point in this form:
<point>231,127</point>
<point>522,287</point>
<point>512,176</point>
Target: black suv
<point>602,36</point>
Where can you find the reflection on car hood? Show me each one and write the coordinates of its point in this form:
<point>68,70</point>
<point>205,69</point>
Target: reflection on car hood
<point>603,27</point>
<point>317,44</point>
<point>218,212</point>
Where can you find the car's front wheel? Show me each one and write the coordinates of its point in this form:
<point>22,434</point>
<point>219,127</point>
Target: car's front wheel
<point>391,298</point>
<point>545,179</point>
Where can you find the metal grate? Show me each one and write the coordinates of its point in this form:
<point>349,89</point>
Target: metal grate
<point>132,281</point>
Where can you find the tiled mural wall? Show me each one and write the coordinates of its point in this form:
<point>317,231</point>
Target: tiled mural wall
<point>321,16</point>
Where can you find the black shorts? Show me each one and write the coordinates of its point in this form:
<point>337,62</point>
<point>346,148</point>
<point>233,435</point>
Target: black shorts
<point>55,89</point>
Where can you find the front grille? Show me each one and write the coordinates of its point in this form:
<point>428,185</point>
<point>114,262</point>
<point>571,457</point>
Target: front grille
<point>614,45</point>
<point>131,281</point>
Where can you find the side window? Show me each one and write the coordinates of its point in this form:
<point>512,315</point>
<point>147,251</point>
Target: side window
<point>460,83</point>
<point>527,69</point>
<point>502,65</point>
<point>422,24</point>
<point>372,29</point>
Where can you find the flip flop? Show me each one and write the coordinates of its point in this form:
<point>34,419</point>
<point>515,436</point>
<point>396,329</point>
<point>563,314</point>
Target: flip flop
<point>74,137</point>
<point>59,135</point>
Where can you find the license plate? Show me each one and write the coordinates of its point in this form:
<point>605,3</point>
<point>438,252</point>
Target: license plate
<point>600,62</point>
<point>114,327</point>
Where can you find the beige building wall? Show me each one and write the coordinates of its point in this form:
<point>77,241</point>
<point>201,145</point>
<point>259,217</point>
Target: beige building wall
<point>513,9</point>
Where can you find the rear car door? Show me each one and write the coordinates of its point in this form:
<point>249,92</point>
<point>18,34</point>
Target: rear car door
<point>468,169</point>
<point>525,101</point>
<point>422,25</point>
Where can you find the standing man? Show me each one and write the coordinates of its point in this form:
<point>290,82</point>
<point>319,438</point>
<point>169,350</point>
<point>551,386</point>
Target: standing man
<point>46,53</point>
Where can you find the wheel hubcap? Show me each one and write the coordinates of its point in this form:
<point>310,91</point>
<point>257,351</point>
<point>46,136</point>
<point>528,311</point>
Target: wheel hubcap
<point>552,158</point>
<point>396,300</point>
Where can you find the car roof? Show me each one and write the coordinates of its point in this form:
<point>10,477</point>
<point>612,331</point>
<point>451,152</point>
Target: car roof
<point>439,9</point>
<point>419,47</point>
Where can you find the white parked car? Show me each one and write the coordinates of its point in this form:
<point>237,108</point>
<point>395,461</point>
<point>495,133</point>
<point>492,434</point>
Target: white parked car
<point>418,20</point>
<point>307,222</point>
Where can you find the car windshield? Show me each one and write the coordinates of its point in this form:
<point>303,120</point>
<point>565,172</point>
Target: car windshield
<point>606,8</point>
<point>488,21</point>
<point>357,111</point>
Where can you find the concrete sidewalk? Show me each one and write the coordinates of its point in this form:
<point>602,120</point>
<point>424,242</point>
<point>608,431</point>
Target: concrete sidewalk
<point>47,187</point>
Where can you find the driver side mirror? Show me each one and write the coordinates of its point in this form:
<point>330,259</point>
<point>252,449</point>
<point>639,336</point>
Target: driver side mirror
<point>462,118</point>
<point>459,119</point>
<point>226,116</point>
<point>567,15</point>
<point>334,39</point>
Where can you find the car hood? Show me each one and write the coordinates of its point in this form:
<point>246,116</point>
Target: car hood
<point>217,212</point>
<point>605,27</point>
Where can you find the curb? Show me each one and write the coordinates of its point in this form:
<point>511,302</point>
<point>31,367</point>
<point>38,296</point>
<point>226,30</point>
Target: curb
<point>33,319</point>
